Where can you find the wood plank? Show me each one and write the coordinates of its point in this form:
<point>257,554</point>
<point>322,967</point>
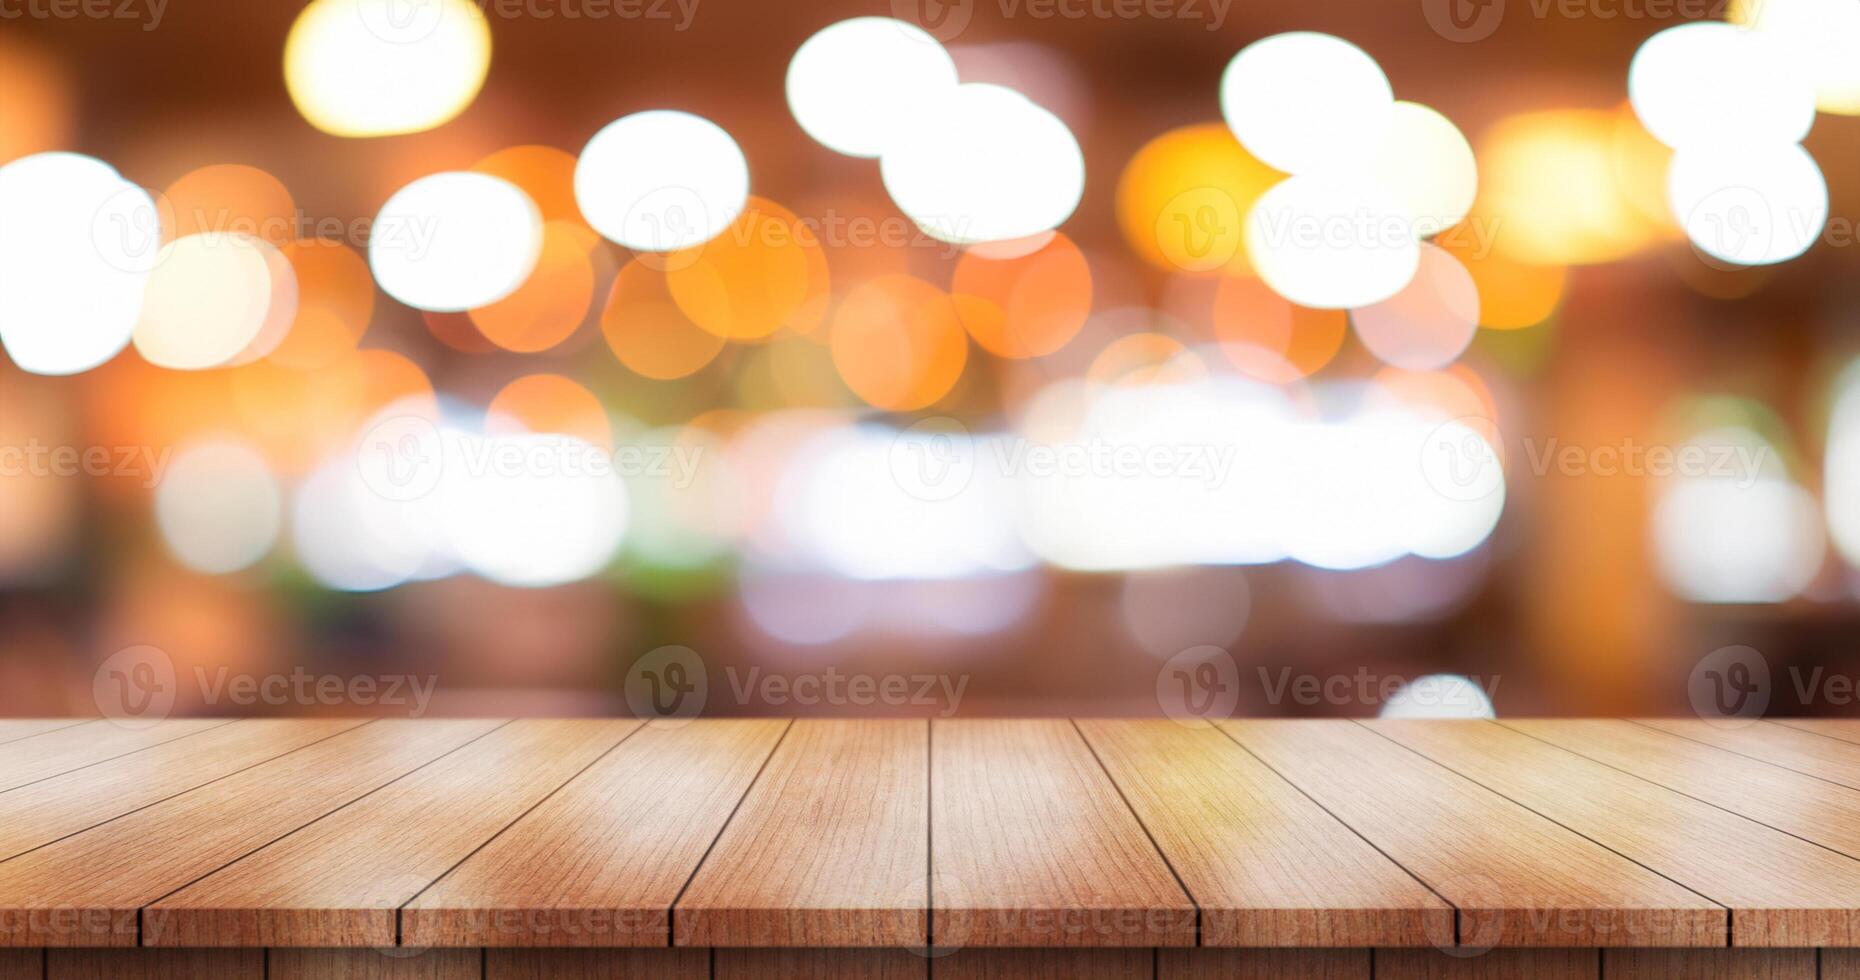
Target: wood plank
<point>35,815</point>
<point>341,880</point>
<point>155,964</point>
<point>374,964</point>
<point>1047,964</point>
<point>1699,964</point>
<point>811,964</point>
<point>12,729</point>
<point>1845,729</point>
<point>597,964</point>
<point>1495,964</point>
<point>1809,808</point>
<point>1791,748</point>
<point>1266,866</point>
<point>1517,878</point>
<point>638,822</point>
<point>85,890</point>
<point>1263,964</point>
<point>1032,845</point>
<point>831,847</point>
<point>22,964</point>
<point>1782,890</point>
<point>1840,964</point>
<point>29,760</point>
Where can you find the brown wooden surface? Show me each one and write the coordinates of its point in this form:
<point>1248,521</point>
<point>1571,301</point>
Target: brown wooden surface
<point>1806,752</point>
<point>1046,964</point>
<point>1266,865</point>
<point>1717,964</point>
<point>22,964</point>
<point>1263,964</point>
<point>341,880</point>
<point>813,964</point>
<point>600,862</point>
<point>1032,845</point>
<point>1782,890</point>
<point>374,964</point>
<point>1517,878</point>
<point>18,728</point>
<point>155,964</point>
<point>1812,809</point>
<point>597,964</point>
<point>28,760</point>
<point>86,889</point>
<point>831,847</point>
<point>32,816</point>
<point>1494,964</point>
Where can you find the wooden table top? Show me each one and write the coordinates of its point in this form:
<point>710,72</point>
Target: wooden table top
<point>972,833</point>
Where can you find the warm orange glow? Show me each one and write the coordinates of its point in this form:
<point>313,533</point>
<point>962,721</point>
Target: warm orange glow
<point>748,281</point>
<point>388,377</point>
<point>647,330</point>
<point>457,331</point>
<point>898,343</point>
<point>229,198</point>
<point>789,372</point>
<point>335,300</point>
<point>1269,337</point>
<point>1182,198</point>
<point>1551,191</point>
<point>1512,294</point>
<point>297,417</point>
<point>1145,358</point>
<point>549,403</point>
<point>545,173</point>
<point>35,102</point>
<point>1027,306</point>
<point>552,302</point>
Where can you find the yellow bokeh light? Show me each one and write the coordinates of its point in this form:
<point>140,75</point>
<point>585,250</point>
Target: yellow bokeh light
<point>1182,199</point>
<point>335,300</point>
<point>384,67</point>
<point>1027,306</point>
<point>1512,294</point>
<point>549,403</point>
<point>553,301</point>
<point>898,343</point>
<point>648,332</point>
<point>1552,192</point>
<point>228,198</point>
<point>545,173</point>
<point>748,281</point>
<point>1146,359</point>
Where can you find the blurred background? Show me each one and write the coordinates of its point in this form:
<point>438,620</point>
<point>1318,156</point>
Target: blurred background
<point>854,425</point>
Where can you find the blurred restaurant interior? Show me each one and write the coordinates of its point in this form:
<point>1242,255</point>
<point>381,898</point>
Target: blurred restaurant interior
<point>1048,343</point>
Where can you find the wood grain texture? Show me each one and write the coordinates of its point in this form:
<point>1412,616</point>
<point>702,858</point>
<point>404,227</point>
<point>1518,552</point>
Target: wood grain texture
<point>341,880</point>
<point>1698,964</point>
<point>597,964</point>
<point>1517,878</point>
<point>35,815</point>
<point>831,847</point>
<point>1845,729</point>
<point>29,760</point>
<point>812,964</point>
<point>1046,964</point>
<point>12,729</point>
<point>1840,964</point>
<point>155,964</point>
<point>374,964</point>
<point>638,822</point>
<point>1033,846</point>
<point>22,964</point>
<point>1805,752</point>
<point>1262,964</point>
<point>1782,890</point>
<point>1809,808</point>
<point>1495,964</point>
<point>1266,866</point>
<point>85,890</point>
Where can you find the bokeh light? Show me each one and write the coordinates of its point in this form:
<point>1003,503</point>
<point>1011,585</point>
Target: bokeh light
<point>1182,197</point>
<point>1732,526</point>
<point>1305,102</point>
<point>214,297</point>
<point>219,507</point>
<point>1438,696</point>
<point>549,404</point>
<point>452,241</point>
<point>381,67</point>
<point>552,301</point>
<point>1430,322</point>
<point>1331,243</point>
<point>1749,204</point>
<point>1270,338</point>
<point>335,303</point>
<point>1426,166</point>
<point>1713,85</point>
<point>1026,306</point>
<point>661,180</point>
<point>898,343</point>
<point>75,252</point>
<point>1819,37</point>
<point>1555,189</point>
<point>751,279</point>
<point>982,163</point>
<point>856,86</point>
<point>648,332</point>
